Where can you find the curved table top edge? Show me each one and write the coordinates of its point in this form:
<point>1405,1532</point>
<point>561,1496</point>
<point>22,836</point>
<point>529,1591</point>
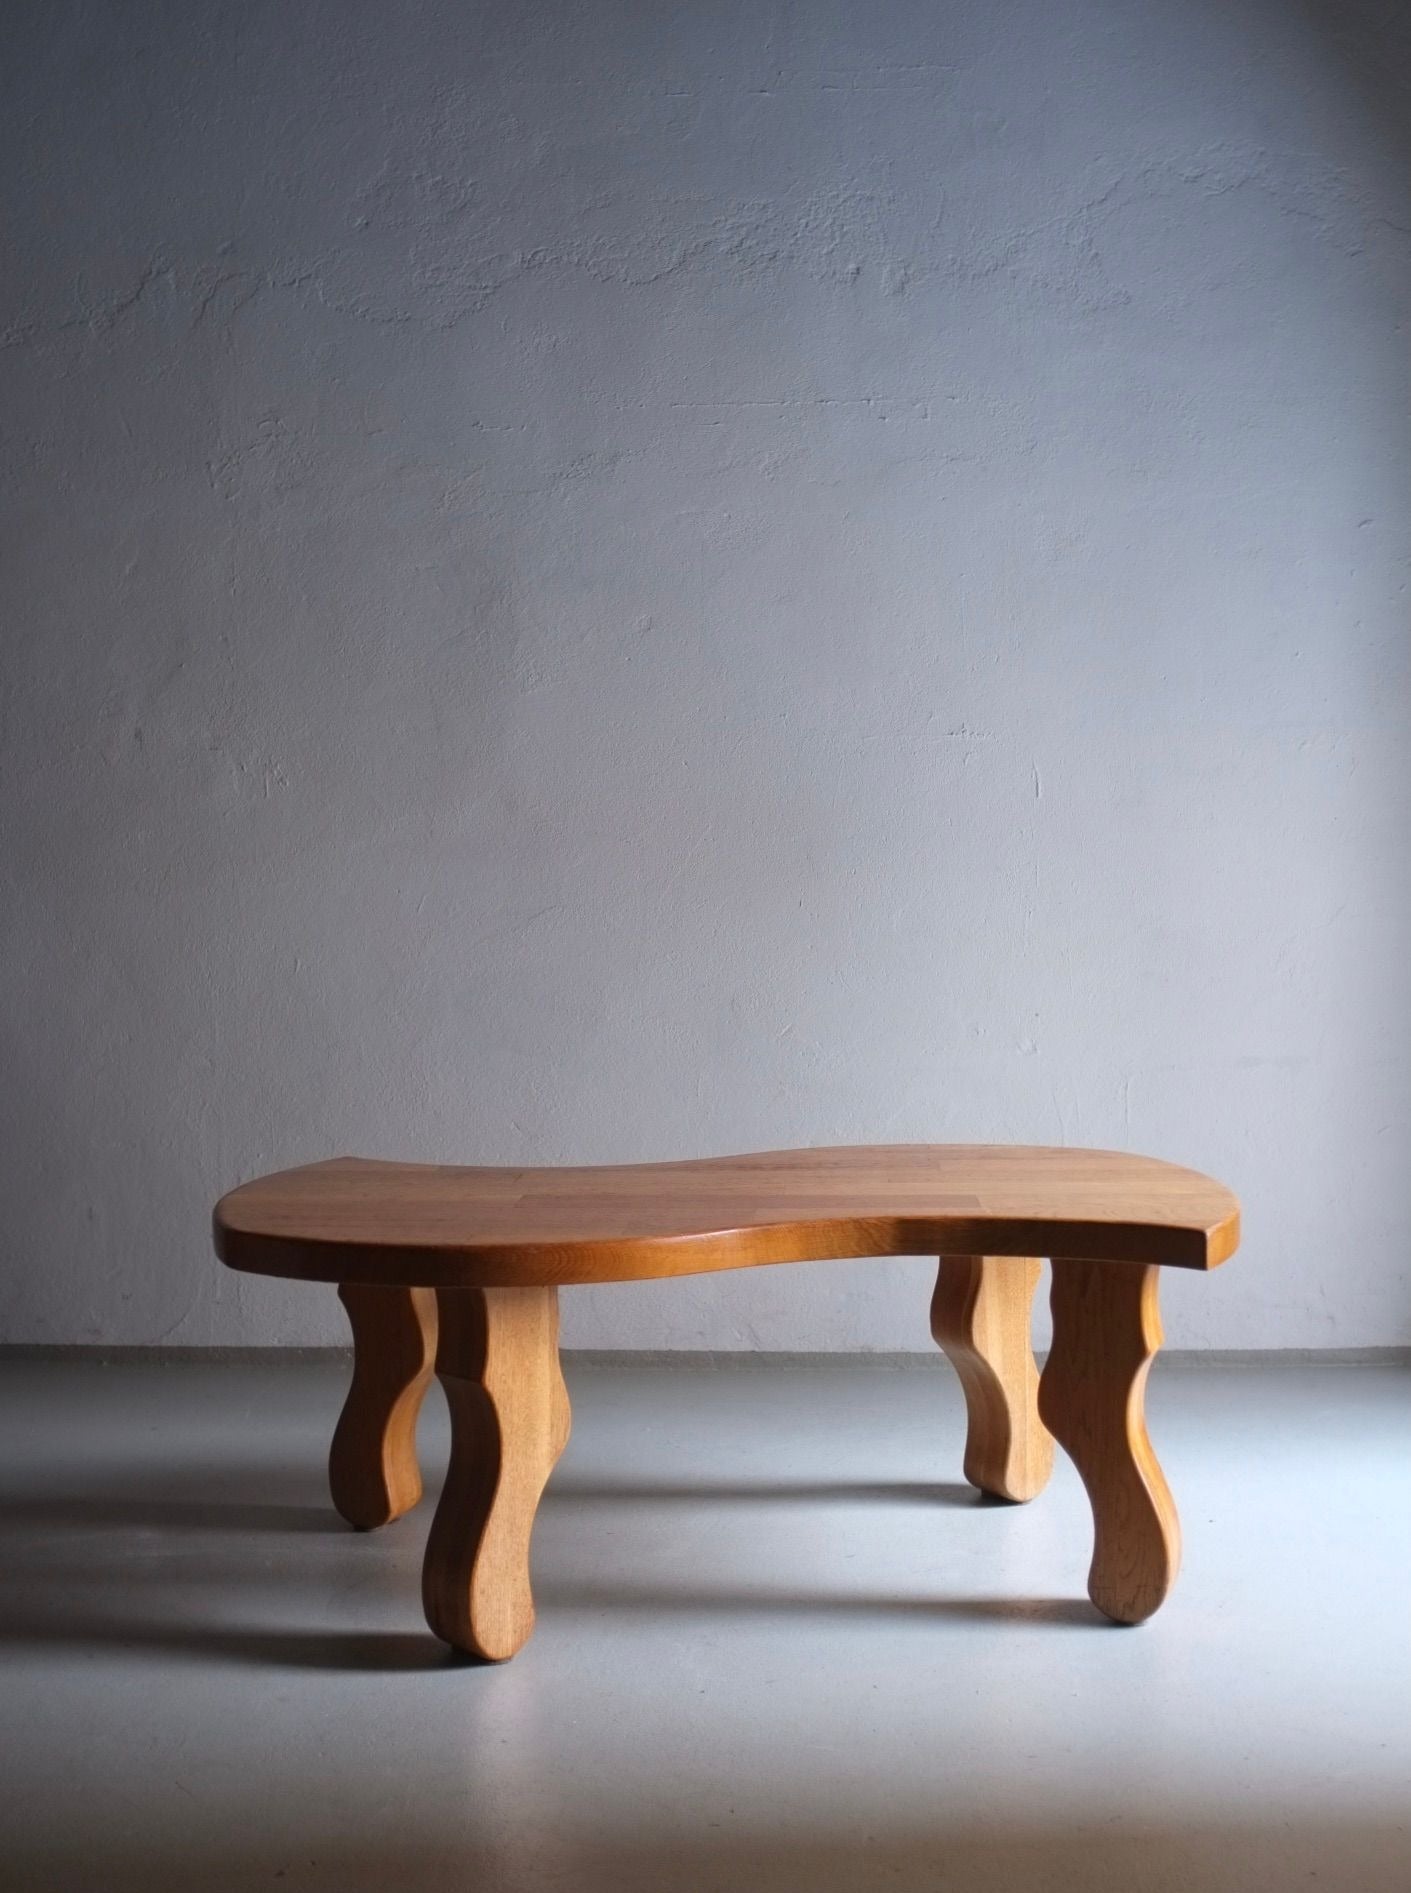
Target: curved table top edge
<point>467,1259</point>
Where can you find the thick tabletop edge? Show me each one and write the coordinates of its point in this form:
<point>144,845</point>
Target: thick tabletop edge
<point>473,1262</point>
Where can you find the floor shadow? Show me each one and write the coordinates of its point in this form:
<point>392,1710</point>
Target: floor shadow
<point>153,1506</point>
<point>86,1511</point>
<point>746,1600</point>
<point>161,1563</point>
<point>350,1652</point>
<point>188,1496</point>
<point>57,1613</point>
<point>118,1570</point>
<point>573,1491</point>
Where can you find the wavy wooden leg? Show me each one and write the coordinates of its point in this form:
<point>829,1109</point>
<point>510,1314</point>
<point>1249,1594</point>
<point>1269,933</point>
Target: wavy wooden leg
<point>372,1469</point>
<point>499,1364</point>
<point>1106,1330</point>
<point>980,1315</point>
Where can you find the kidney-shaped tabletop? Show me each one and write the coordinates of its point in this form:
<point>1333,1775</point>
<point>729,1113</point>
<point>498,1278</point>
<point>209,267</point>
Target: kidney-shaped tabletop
<point>438,1225</point>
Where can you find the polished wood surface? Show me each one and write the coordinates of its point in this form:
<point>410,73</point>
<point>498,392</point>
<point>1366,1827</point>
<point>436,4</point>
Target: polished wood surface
<point>499,1364</point>
<point>425,1225</point>
<point>1106,1329</point>
<point>373,1473</point>
<point>981,1315</point>
<point>479,1255</point>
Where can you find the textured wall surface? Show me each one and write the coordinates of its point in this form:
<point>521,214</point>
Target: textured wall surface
<point>621,580</point>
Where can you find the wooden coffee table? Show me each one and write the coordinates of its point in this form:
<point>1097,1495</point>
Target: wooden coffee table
<point>458,1270</point>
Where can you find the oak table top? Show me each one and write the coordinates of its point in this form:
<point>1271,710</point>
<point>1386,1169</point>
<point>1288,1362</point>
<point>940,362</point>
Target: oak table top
<point>439,1226</point>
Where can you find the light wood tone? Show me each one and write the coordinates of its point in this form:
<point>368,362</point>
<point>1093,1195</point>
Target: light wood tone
<point>372,1465</point>
<point>493,1246</point>
<point>441,1226</point>
<point>981,1316</point>
<point>1106,1329</point>
<point>498,1361</point>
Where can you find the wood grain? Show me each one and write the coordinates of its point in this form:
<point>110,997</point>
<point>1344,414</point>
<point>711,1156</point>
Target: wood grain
<point>494,1244</point>
<point>372,1464</point>
<point>981,1315</point>
<point>1106,1329</point>
<point>499,1364</point>
<point>441,1226</point>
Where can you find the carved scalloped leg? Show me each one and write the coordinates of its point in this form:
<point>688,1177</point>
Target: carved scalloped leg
<point>499,1364</point>
<point>1106,1330</point>
<point>372,1468</point>
<point>980,1316</point>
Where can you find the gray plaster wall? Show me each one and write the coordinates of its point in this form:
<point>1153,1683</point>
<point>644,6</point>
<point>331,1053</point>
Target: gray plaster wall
<point>606,581</point>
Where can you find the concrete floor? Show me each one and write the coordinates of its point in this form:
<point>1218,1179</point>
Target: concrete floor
<point>780,1646</point>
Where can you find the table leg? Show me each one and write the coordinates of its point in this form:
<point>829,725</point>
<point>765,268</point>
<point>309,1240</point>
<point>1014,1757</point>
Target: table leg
<point>980,1316</point>
<point>498,1362</point>
<point>1106,1331</point>
<point>372,1468</point>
